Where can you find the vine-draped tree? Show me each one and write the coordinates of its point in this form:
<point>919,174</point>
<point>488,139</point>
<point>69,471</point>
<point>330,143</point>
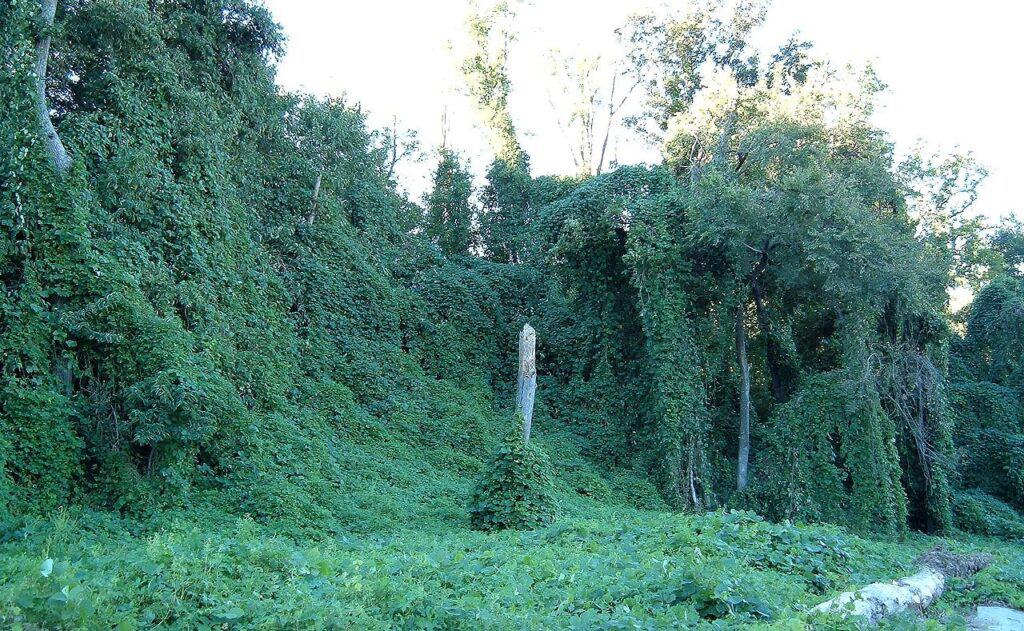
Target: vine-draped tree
<point>787,247</point>
<point>508,207</point>
<point>449,211</point>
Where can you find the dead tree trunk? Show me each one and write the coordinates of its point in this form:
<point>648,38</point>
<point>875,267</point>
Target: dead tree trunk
<point>54,147</point>
<point>744,365</point>
<point>879,600</point>
<point>527,381</point>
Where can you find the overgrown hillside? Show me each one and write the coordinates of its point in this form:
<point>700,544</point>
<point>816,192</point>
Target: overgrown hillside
<point>189,319</point>
<point>246,382</point>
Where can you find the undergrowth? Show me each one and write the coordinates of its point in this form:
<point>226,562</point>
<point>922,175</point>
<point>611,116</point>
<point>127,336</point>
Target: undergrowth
<point>615,569</point>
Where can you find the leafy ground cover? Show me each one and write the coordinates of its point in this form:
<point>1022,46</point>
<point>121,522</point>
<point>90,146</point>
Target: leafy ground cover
<point>619,569</point>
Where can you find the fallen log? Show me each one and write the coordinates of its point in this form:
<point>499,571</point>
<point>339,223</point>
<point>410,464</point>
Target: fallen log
<point>878,600</point>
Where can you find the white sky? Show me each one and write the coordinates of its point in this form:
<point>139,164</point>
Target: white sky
<point>953,69</point>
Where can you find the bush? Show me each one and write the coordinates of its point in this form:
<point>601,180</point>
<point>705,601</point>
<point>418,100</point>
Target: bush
<point>990,444</point>
<point>837,462</point>
<point>39,451</point>
<point>515,489</point>
<point>978,512</point>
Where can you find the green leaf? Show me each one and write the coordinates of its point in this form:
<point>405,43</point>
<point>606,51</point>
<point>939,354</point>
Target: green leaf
<point>231,614</point>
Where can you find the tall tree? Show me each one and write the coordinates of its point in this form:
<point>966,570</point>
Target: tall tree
<point>485,69</point>
<point>671,56</point>
<point>587,101</point>
<point>507,198</point>
<point>449,212</point>
<point>941,195</point>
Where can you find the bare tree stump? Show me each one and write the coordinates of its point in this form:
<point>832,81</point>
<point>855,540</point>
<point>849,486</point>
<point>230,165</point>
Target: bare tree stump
<point>527,381</point>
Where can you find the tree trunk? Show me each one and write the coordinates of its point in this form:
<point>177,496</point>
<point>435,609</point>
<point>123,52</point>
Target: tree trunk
<point>59,158</point>
<point>691,474</point>
<point>774,355</point>
<point>527,381</point>
<point>880,600</point>
<point>58,154</point>
<point>744,365</point>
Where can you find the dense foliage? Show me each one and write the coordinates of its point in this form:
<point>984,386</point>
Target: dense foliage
<point>221,299</point>
<point>225,309</point>
<point>646,570</point>
<point>515,490</point>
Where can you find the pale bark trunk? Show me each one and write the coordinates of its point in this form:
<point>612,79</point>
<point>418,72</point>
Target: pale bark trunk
<point>54,147</point>
<point>744,365</point>
<point>316,188</point>
<point>878,600</point>
<point>527,381</point>
<point>59,158</point>
<point>692,476</point>
<point>722,150</point>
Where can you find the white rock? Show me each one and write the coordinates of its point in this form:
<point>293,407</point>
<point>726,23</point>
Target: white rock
<point>998,619</point>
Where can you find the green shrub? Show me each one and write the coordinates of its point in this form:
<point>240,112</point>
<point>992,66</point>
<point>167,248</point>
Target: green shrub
<point>990,445</point>
<point>979,513</point>
<point>42,451</point>
<point>515,489</point>
<point>828,435</point>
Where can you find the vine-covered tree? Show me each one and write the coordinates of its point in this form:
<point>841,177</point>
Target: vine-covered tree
<point>507,204</point>
<point>449,213</point>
